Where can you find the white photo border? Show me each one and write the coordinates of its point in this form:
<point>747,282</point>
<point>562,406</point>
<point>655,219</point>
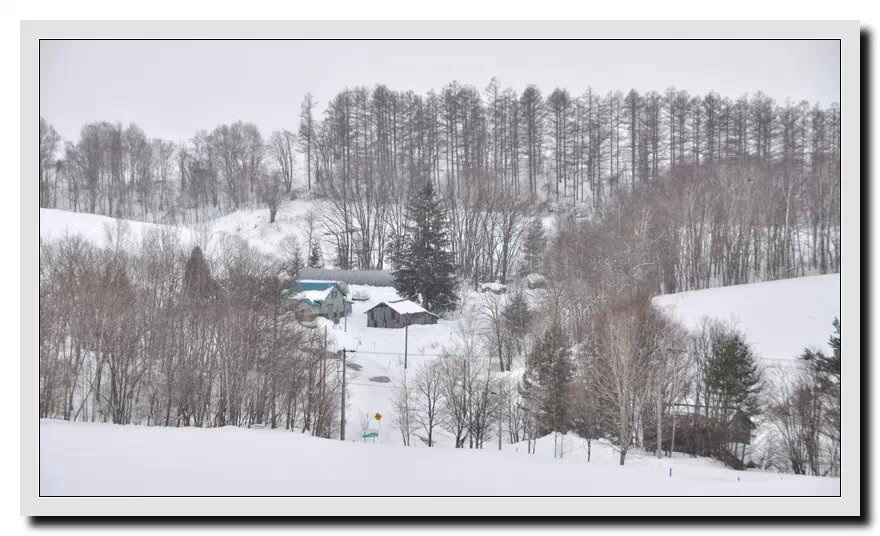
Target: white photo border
<point>849,503</point>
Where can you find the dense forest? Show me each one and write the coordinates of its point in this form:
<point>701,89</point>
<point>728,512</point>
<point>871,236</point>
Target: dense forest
<point>726,190</point>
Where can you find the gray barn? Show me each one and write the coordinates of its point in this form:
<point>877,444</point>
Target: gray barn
<point>398,314</point>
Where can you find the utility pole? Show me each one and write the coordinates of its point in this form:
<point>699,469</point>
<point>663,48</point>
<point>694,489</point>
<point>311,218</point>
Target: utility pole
<point>342,406</point>
<point>405,343</point>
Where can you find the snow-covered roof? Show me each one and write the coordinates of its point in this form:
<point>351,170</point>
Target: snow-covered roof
<point>313,296</point>
<point>314,291</point>
<point>374,278</point>
<point>314,284</point>
<point>404,307</point>
<point>496,287</point>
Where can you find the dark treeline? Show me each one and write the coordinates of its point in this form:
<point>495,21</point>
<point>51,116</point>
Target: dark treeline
<point>732,190</point>
<point>144,333</point>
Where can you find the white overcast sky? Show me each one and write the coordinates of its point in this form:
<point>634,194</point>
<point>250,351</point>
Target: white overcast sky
<point>174,88</point>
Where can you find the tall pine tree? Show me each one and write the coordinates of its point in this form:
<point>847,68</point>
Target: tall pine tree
<point>533,248</point>
<point>425,270</point>
<point>547,382</point>
<point>732,383</point>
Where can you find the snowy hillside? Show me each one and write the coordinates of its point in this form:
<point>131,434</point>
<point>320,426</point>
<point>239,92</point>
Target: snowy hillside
<point>55,224</point>
<point>779,318</point>
<point>97,459</point>
<point>252,225</point>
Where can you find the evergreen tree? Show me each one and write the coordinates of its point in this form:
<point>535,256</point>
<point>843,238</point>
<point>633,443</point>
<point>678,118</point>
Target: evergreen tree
<point>315,257</point>
<point>826,371</point>
<point>197,280</point>
<point>394,254</point>
<point>533,247</point>
<point>425,270</point>
<point>291,256</point>
<point>826,365</point>
<point>547,381</point>
<point>517,320</point>
<point>516,314</point>
<point>731,378</point>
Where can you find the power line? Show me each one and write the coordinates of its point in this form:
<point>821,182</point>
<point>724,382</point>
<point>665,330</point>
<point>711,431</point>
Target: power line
<point>400,354</point>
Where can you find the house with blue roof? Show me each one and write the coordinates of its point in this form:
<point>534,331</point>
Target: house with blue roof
<point>319,298</point>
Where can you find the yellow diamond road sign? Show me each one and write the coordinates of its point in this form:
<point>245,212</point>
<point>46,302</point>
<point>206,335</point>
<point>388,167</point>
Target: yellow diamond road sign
<point>378,416</point>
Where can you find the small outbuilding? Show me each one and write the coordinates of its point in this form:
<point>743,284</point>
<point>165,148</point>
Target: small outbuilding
<point>399,314</point>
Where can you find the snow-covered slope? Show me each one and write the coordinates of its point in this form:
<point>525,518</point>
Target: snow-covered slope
<point>780,318</point>
<point>252,224</point>
<point>106,459</point>
<point>55,224</point>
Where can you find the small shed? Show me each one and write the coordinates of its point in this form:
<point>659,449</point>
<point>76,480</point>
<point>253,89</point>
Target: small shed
<point>398,314</point>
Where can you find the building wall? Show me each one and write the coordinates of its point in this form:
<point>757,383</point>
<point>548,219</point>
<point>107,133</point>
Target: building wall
<point>385,317</point>
<point>380,317</point>
<point>332,308</point>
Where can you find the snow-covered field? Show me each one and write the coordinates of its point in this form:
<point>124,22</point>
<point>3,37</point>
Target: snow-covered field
<point>780,318</point>
<point>106,459</point>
